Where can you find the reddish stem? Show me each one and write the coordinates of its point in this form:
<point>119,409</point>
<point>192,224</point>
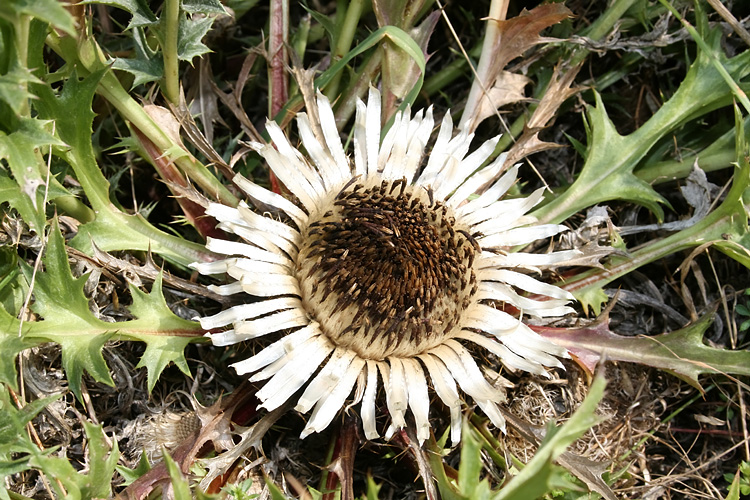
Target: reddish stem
<point>167,170</point>
<point>278,60</point>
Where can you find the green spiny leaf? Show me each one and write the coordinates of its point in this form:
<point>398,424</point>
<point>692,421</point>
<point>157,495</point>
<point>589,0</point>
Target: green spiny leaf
<point>16,447</point>
<point>60,300</point>
<point>13,88</point>
<point>71,484</point>
<point>56,285</point>
<point>203,6</point>
<point>67,319</point>
<point>131,475</point>
<point>10,345</point>
<point>11,193</point>
<point>592,299</point>
<point>142,14</point>
<point>102,462</point>
<point>165,334</point>
<point>726,228</point>
<point>681,352</point>
<point>190,36</point>
<point>13,436</point>
<point>146,66</point>
<point>20,150</point>
<point>607,173</point>
<point>50,11</point>
<point>112,229</point>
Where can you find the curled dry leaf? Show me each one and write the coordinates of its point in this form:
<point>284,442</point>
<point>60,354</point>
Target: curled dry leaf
<point>514,37</point>
<point>558,91</point>
<point>507,89</point>
<point>698,193</point>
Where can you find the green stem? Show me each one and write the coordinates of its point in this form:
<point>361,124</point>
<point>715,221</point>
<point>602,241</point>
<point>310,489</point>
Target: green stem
<point>22,46</point>
<point>489,442</point>
<point>72,206</point>
<point>715,226</point>
<point>450,73</point>
<point>87,57</point>
<point>346,103</point>
<point>111,89</point>
<point>170,20</point>
<point>344,42</point>
<point>666,171</point>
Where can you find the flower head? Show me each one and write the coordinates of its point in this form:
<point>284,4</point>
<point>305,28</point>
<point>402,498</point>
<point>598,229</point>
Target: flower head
<point>385,270</point>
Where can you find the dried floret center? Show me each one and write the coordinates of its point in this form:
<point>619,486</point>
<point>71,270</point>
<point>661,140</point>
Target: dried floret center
<point>386,271</point>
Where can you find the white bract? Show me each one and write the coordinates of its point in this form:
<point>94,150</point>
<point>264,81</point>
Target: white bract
<point>385,270</point>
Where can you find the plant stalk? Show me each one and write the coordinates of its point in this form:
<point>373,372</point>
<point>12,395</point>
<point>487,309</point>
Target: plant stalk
<point>170,20</point>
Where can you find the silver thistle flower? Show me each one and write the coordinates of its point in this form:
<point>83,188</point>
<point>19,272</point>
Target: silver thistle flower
<point>385,270</point>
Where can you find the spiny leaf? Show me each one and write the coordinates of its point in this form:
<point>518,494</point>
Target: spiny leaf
<point>10,345</point>
<point>13,88</point>
<point>726,228</point>
<point>72,484</point>
<point>61,302</point>
<point>11,193</point>
<point>142,14</point>
<point>203,6</point>
<point>146,66</point>
<point>112,229</point>
<point>67,320</point>
<point>168,334</point>
<point>607,173</point>
<point>13,436</point>
<point>102,462</point>
<point>50,11</point>
<point>16,447</point>
<point>131,475</point>
<point>190,35</point>
<point>20,150</point>
<point>681,352</point>
<point>603,181</point>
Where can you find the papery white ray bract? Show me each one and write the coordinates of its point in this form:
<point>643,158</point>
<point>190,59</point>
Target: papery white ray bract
<point>384,271</point>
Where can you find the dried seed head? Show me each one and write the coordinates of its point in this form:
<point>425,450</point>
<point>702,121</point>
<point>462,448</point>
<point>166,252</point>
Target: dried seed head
<point>385,270</point>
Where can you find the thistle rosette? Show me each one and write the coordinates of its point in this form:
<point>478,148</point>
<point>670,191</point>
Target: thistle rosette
<point>383,270</point>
